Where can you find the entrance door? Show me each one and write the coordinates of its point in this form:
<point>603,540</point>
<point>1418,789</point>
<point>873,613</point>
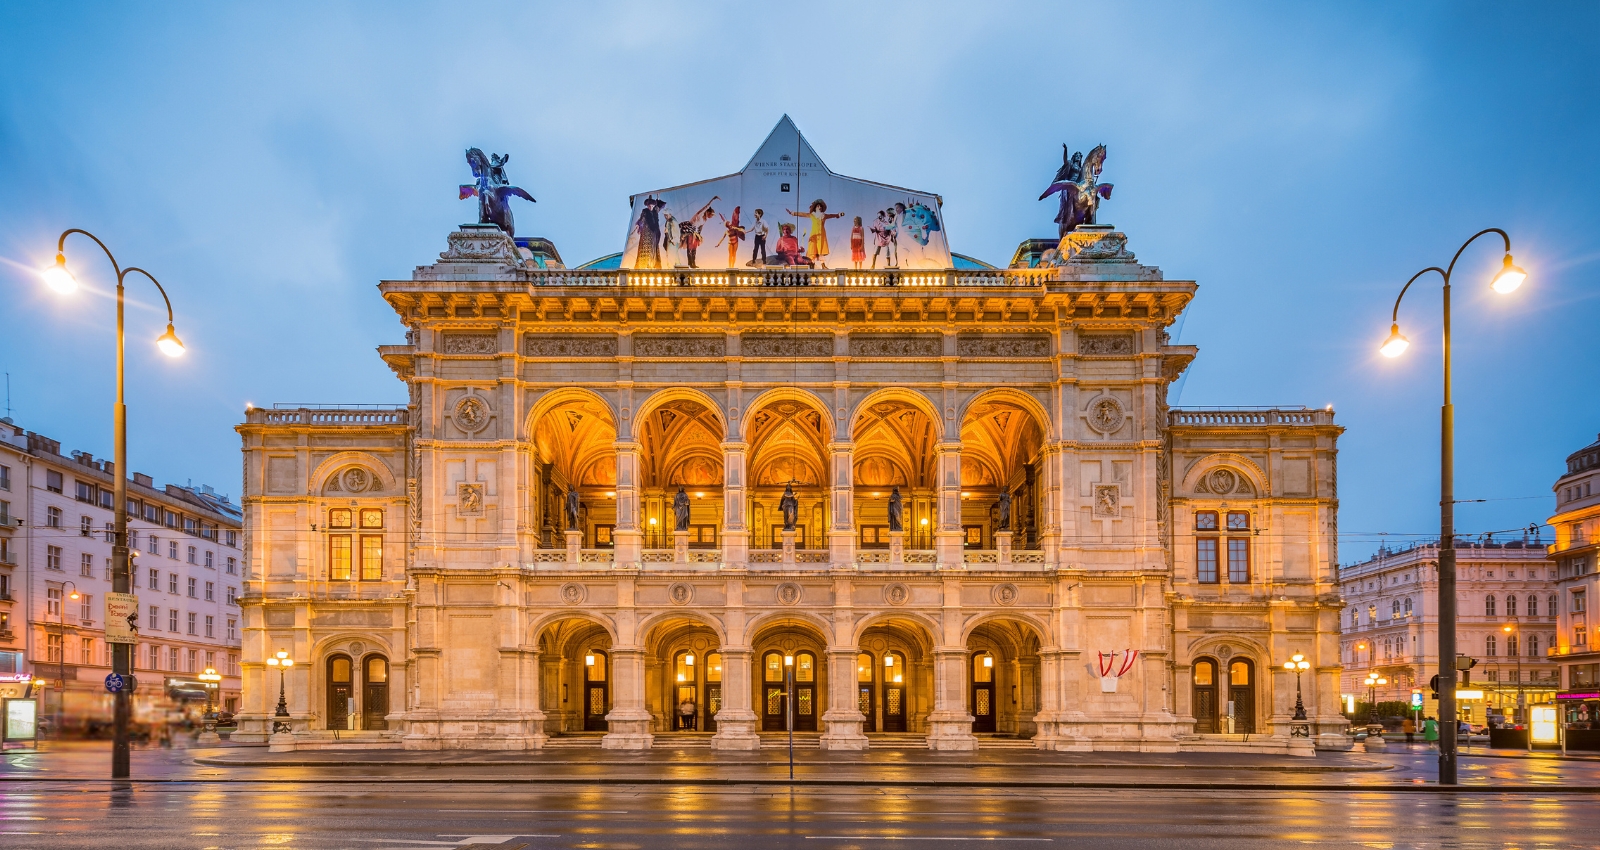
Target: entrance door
<point>1242,693</point>
<point>596,694</point>
<point>865,696</point>
<point>713,701</point>
<point>982,692</point>
<point>1205,697</point>
<point>686,693</point>
<point>341,690</point>
<point>805,692</point>
<point>894,692</point>
<point>772,693</point>
<point>375,693</point>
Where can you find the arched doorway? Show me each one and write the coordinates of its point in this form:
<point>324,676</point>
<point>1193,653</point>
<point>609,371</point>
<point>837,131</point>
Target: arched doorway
<point>683,678</point>
<point>574,675</point>
<point>375,692</point>
<point>1204,705</point>
<point>894,674</point>
<point>982,703</point>
<point>776,685</point>
<point>341,692</point>
<point>696,691</point>
<point>1242,695</point>
<point>596,689</point>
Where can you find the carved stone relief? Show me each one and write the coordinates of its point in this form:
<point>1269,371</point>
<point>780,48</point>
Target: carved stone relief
<point>1107,500</point>
<point>356,479</point>
<point>1106,414</point>
<point>920,345</point>
<point>573,593</point>
<point>680,346</point>
<point>471,344</point>
<point>1223,481</point>
<point>471,414</point>
<point>1003,346</point>
<point>896,594</point>
<point>789,593</point>
<point>469,499</point>
<point>572,346</point>
<point>681,593</point>
<point>786,346</point>
<point>1005,594</point>
<point>1106,345</point>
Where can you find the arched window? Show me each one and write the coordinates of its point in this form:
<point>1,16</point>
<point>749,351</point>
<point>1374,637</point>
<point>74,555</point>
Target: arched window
<point>1408,606</point>
<point>1511,646</point>
<point>1488,608</point>
<point>1394,610</point>
<point>1511,605</point>
<point>1205,697</point>
<point>1533,605</point>
<point>1355,617</point>
<point>1489,646</point>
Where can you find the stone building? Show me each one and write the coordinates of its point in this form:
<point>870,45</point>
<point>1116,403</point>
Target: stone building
<point>55,541</point>
<point>997,526</point>
<point>1577,529</point>
<point>1506,619</point>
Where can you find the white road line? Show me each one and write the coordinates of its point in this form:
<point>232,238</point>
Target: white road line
<point>919,838</point>
<point>543,811</point>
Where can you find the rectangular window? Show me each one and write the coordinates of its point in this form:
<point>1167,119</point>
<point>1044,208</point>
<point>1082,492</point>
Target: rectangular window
<point>52,517</point>
<point>191,555</point>
<point>1205,520</point>
<point>193,623</point>
<point>86,651</point>
<point>52,558</point>
<point>86,609</point>
<point>172,659</point>
<point>172,549</point>
<point>172,582</point>
<point>5,512</point>
<point>371,557</point>
<point>210,621</point>
<point>52,481</point>
<point>106,499</point>
<point>371,518</point>
<point>339,557</point>
<point>211,591</point>
<point>86,565</point>
<point>194,661</point>
<point>233,664</point>
<point>154,660</point>
<point>155,579</point>
<point>85,527</point>
<point>233,629</point>
<point>5,478</point>
<point>1238,560</point>
<point>85,492</point>
<point>233,566</point>
<point>172,619</point>
<point>155,619</point>
<point>192,587</point>
<point>233,539</point>
<point>1238,520</point>
<point>52,601</point>
<point>155,545</point>
<point>52,650</point>
<point>233,596</point>
<point>1206,559</point>
<point>340,518</point>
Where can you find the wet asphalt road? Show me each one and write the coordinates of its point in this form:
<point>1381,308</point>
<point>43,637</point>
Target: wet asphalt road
<point>56,799</point>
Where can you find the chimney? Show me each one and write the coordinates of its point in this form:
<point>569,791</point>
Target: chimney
<point>144,480</point>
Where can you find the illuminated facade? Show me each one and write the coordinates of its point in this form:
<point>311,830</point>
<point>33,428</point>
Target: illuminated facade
<point>1059,523</point>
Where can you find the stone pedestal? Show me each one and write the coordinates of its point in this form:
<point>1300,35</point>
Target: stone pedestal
<point>1302,747</point>
<point>843,722</point>
<point>1002,544</point>
<point>680,547</point>
<point>897,547</point>
<point>628,723</point>
<point>281,742</point>
<point>1375,744</point>
<point>574,547</point>
<point>788,547</point>
<point>208,738</point>
<point>736,722</point>
<point>949,725</point>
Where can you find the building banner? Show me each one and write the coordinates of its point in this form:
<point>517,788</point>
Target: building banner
<point>122,618</point>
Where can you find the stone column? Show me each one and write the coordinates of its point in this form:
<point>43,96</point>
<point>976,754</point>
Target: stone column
<point>736,722</point>
<point>680,547</point>
<point>574,548</point>
<point>1051,503</point>
<point>629,541</point>
<point>948,536</point>
<point>788,547</point>
<point>735,531</point>
<point>842,531</point>
<point>950,726</point>
<point>897,547</point>
<point>842,722</point>
<point>628,723</point>
<point>531,698</point>
<point>1002,544</point>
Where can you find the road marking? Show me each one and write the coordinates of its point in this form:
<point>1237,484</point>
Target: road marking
<point>919,838</point>
<point>543,811</point>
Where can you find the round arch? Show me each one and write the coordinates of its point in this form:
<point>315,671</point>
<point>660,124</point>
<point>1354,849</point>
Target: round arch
<point>658,628</point>
<point>901,394</point>
<point>335,464</point>
<point>1211,644</point>
<point>746,417</point>
<point>926,633</point>
<point>326,646</point>
<point>1251,470</point>
<point>537,628</point>
<point>806,620</point>
<point>1040,629</point>
<point>563,395</point>
<point>1017,397</point>
<point>666,395</point>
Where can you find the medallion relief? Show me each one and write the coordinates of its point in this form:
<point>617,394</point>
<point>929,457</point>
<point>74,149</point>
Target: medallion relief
<point>896,594</point>
<point>471,414</point>
<point>789,593</point>
<point>1106,414</point>
<point>573,593</point>
<point>681,593</point>
<point>1005,594</point>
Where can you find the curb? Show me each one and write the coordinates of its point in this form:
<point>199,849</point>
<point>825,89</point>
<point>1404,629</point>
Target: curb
<point>215,761</point>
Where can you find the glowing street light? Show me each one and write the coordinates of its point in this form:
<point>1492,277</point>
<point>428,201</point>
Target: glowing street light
<point>281,719</point>
<point>1297,664</point>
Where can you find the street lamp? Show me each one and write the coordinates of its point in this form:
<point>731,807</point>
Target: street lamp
<point>1297,664</point>
<point>61,620</point>
<point>1515,629</point>
<point>1373,681</point>
<point>210,677</point>
<point>61,280</point>
<point>1506,280</point>
<point>281,718</point>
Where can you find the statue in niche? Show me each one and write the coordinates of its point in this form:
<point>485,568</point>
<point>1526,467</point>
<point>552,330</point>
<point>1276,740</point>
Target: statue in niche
<point>572,509</point>
<point>680,510</point>
<point>790,507</point>
<point>896,511</point>
<point>493,189</point>
<point>1005,510</point>
<point>1078,183</point>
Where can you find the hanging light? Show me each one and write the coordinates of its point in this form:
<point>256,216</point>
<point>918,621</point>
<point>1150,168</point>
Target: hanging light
<point>1509,278</point>
<point>169,343</point>
<point>1396,344</point>
<point>57,276</point>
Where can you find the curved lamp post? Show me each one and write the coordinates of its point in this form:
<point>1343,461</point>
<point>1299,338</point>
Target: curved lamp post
<point>1505,281</point>
<point>281,720</point>
<point>1301,727</point>
<point>61,280</point>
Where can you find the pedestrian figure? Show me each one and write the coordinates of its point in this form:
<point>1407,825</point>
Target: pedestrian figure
<point>1430,731</point>
<point>686,714</point>
<point>1409,727</point>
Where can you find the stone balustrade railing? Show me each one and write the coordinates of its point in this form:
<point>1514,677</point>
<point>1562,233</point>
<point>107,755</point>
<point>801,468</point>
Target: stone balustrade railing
<point>326,416</point>
<point>840,278</point>
<point>1250,417</point>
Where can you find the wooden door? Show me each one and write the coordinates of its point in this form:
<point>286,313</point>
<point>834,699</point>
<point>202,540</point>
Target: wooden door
<point>341,689</point>
<point>805,692</point>
<point>1242,693</point>
<point>1206,717</point>
<point>596,690</point>
<point>375,693</point>
<point>866,696</point>
<point>773,692</point>
<point>983,692</point>
<point>894,692</point>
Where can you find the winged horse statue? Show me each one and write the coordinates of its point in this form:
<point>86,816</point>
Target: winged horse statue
<point>1081,192</point>
<point>494,191</point>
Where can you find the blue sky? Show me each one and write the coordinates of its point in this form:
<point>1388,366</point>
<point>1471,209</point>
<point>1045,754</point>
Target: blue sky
<point>270,164</point>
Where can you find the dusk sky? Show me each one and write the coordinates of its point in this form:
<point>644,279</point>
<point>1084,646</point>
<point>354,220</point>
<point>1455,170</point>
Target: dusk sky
<point>270,165</point>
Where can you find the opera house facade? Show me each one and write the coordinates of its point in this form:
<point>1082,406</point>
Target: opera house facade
<point>697,493</point>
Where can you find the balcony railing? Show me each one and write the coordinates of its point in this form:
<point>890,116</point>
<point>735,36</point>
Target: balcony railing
<point>1250,417</point>
<point>329,416</point>
<point>780,278</point>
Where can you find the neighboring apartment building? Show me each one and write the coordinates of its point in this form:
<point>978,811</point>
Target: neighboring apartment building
<point>56,540</point>
<point>1577,527</point>
<point>1506,619</point>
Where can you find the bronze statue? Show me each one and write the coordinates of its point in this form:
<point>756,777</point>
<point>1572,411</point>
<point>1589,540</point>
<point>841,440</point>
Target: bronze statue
<point>790,507</point>
<point>494,191</point>
<point>680,511</point>
<point>1005,510</point>
<point>1078,182</point>
<point>896,511</point>
<point>572,509</point>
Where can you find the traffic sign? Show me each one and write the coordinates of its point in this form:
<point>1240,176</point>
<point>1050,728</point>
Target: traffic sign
<point>114,683</point>
<point>1416,699</point>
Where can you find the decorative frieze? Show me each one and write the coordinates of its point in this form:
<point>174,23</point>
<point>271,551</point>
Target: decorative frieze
<point>680,346</point>
<point>1003,346</point>
<point>1106,345</point>
<point>471,344</point>
<point>915,345</point>
<point>786,346</point>
<point>569,346</point>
